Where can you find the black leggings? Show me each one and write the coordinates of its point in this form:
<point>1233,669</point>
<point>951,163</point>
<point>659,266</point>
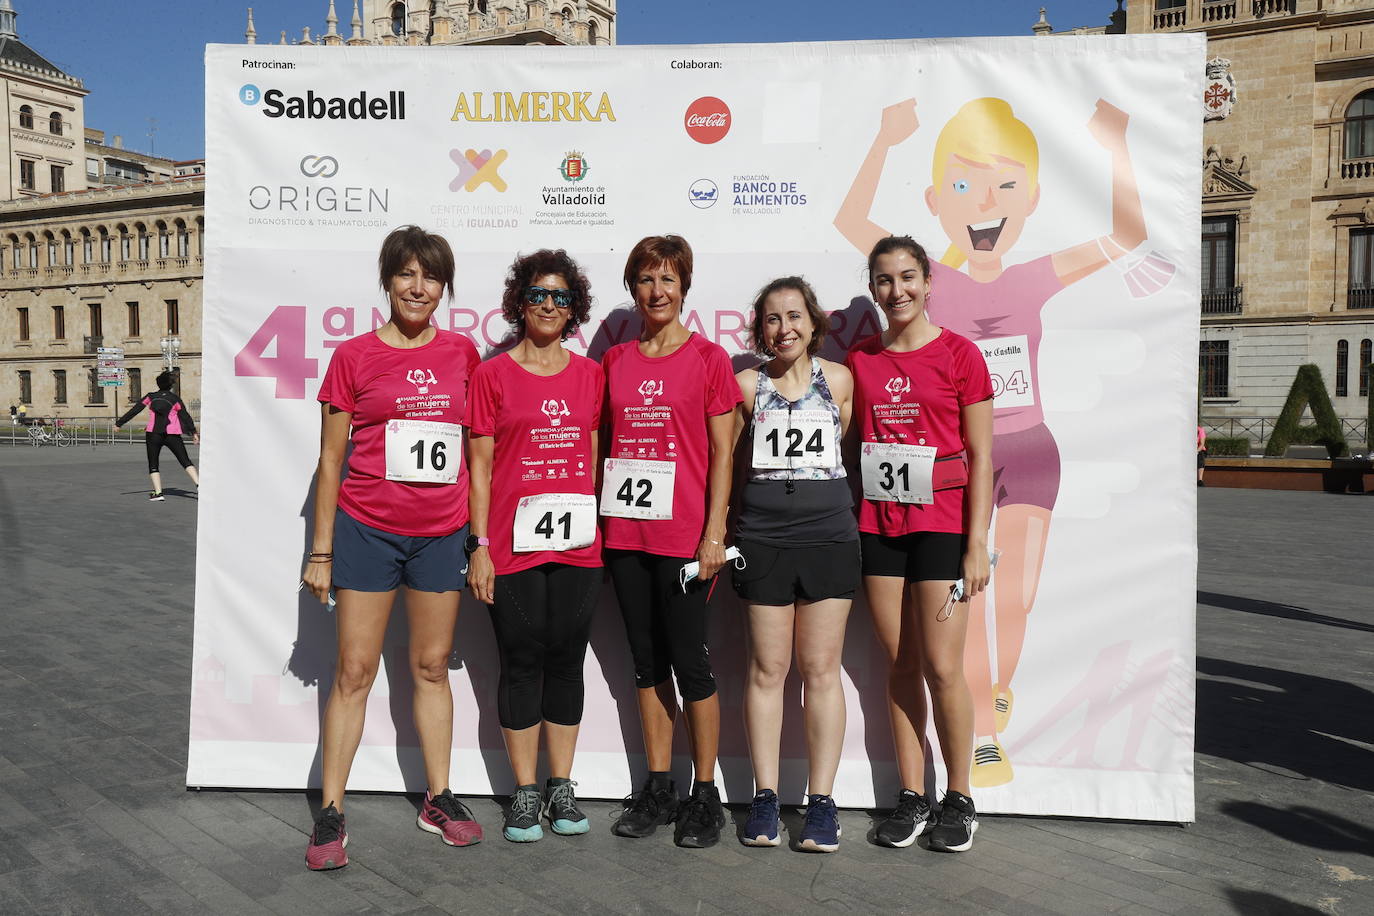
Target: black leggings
<point>155,442</point>
<point>666,627</point>
<point>543,619</point>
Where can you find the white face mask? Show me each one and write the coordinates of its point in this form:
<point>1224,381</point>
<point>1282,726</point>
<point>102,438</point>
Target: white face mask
<point>691,570</point>
<point>1145,274</point>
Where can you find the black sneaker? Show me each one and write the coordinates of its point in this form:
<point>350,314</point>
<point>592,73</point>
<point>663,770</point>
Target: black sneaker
<point>698,827</point>
<point>155,496</point>
<point>957,825</point>
<point>910,819</point>
<point>647,809</point>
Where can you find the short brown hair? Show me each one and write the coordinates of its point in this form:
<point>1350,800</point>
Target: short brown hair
<point>653,250</point>
<point>412,242</point>
<point>819,320</point>
<point>539,264</point>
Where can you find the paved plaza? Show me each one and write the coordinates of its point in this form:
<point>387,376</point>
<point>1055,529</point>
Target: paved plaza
<point>95,676</point>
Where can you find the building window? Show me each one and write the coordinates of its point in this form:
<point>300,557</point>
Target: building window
<point>183,242</point>
<point>1342,368</point>
<point>87,249</point>
<point>26,180</point>
<point>124,247</point>
<point>592,32</point>
<point>33,253</point>
<point>1220,294</point>
<point>68,250</point>
<point>1359,127</point>
<point>105,247</point>
<point>95,394</point>
<point>1214,368</point>
<point>26,116</point>
<point>25,386</point>
<point>133,318</point>
<point>92,168</point>
<point>55,123</point>
<point>164,244</point>
<point>58,175</point>
<point>59,322</point>
<point>142,244</point>
<point>59,386</point>
<point>52,251</point>
<point>398,19</point>
<point>173,317</point>
<point>23,324</point>
<point>97,325</point>
<point>135,385</point>
<point>1361,289</point>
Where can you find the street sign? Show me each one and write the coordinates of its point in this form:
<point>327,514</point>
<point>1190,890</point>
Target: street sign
<point>109,367</point>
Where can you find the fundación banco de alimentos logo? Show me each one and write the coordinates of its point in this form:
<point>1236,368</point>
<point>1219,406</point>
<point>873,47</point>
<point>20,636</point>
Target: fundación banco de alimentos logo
<point>703,193</point>
<point>476,169</point>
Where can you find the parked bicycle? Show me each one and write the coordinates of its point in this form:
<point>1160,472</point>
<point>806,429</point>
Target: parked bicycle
<point>41,433</point>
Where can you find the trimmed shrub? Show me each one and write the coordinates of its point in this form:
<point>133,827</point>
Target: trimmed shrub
<point>1308,390</point>
<point>1228,447</point>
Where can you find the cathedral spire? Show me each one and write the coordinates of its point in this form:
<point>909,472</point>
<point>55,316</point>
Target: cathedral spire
<point>1042,27</point>
<point>332,20</point>
<point>356,24</point>
<point>7,16</point>
<point>251,34</point>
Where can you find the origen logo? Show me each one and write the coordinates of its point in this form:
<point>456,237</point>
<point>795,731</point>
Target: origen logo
<point>707,119</point>
<point>476,169</point>
<point>319,166</point>
<point>650,389</point>
<point>553,408</point>
<point>422,379</point>
<point>249,94</point>
<point>897,386</point>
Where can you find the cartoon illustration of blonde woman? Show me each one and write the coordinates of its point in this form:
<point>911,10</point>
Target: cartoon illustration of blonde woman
<point>984,188</point>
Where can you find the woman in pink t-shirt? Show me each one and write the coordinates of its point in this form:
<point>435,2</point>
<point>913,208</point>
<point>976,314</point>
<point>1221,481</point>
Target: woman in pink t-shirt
<point>923,408</point>
<point>533,420</point>
<point>670,398</point>
<point>398,519</point>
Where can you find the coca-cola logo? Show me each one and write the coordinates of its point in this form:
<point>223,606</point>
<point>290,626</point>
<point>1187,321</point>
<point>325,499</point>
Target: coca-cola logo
<point>707,119</point>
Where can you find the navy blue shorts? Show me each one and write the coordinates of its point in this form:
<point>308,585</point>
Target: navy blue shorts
<point>367,559</point>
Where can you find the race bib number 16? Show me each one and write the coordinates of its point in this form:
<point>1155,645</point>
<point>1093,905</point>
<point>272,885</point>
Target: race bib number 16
<point>422,451</point>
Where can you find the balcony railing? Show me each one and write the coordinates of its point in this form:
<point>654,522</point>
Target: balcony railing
<point>1357,298</point>
<point>1225,301</point>
<point>1173,18</point>
<point>1357,168</point>
<point>1262,8</point>
<point>1218,11</point>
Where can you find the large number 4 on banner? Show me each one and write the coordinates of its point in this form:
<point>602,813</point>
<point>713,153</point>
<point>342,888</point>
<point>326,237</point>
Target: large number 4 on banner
<point>290,366</point>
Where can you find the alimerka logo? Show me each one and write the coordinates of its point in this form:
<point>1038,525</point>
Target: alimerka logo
<point>538,107</point>
<point>312,107</point>
<point>476,169</point>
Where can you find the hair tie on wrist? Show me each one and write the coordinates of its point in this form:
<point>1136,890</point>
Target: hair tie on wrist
<point>709,541</point>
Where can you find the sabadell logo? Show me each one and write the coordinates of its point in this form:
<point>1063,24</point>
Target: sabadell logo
<point>360,107</point>
<point>707,119</point>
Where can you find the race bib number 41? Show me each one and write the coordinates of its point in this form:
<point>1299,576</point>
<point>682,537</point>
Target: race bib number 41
<point>897,473</point>
<point>554,521</point>
<point>1008,360</point>
<point>794,439</point>
<point>635,488</point>
<point>422,451</point>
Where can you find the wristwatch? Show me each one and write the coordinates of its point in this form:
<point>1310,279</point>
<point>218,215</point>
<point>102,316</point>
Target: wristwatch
<point>473,542</point>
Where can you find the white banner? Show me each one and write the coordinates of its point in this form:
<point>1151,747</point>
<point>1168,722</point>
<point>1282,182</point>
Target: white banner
<point>749,151</point>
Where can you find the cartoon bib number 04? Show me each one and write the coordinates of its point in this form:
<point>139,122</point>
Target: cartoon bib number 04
<point>554,521</point>
<point>794,439</point>
<point>422,451</point>
<point>1008,360</point>
<point>898,473</point>
<point>636,488</point>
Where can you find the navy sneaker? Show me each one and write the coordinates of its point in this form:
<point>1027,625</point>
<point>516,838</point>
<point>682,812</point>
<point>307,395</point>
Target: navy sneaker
<point>957,825</point>
<point>762,827</point>
<point>821,832</point>
<point>906,823</point>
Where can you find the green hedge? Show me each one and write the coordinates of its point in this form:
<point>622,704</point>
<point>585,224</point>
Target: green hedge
<point>1228,447</point>
<point>1308,390</point>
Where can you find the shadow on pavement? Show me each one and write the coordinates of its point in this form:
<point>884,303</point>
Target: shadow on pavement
<point>1308,826</point>
<point>1285,611</point>
<point>1259,903</point>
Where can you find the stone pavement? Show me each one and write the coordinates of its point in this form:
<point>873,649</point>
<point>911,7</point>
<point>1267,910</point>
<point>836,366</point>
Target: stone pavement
<point>95,645</point>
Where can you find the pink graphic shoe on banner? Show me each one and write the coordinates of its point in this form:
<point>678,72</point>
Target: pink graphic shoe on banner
<point>327,842</point>
<point>447,816</point>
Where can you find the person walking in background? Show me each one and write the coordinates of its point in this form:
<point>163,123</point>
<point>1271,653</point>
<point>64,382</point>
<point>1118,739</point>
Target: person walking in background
<point>1201,454</point>
<point>168,419</point>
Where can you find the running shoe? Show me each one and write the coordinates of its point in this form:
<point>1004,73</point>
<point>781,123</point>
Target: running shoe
<point>522,818</point>
<point>762,827</point>
<point>908,821</point>
<point>560,807</point>
<point>1001,707</point>
<point>450,819</point>
<point>648,809</point>
<point>957,824</point>
<point>328,842</point>
<point>698,826</point>
<point>155,496</point>
<point>990,765</point>
<point>821,830</point>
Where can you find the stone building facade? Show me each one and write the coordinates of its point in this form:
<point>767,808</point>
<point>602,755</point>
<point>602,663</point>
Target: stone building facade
<point>464,22</point>
<point>43,144</point>
<point>1287,199</point>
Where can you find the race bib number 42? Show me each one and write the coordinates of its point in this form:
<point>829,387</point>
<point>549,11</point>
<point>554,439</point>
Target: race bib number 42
<point>422,451</point>
<point>897,473</point>
<point>1008,360</point>
<point>794,439</point>
<point>554,521</point>
<point>635,488</point>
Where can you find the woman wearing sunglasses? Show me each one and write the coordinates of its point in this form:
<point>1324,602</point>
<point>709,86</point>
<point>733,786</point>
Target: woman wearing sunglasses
<point>535,551</point>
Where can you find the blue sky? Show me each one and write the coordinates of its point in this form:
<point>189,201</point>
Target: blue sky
<point>142,59</point>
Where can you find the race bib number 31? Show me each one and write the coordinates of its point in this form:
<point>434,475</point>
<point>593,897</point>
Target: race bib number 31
<point>554,521</point>
<point>1008,360</point>
<point>898,473</point>
<point>794,439</point>
<point>422,451</point>
<point>634,488</point>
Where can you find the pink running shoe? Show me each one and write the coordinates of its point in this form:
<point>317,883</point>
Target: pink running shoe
<point>327,842</point>
<point>445,815</point>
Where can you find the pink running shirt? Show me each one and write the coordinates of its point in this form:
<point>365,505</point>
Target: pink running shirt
<point>915,398</point>
<point>657,410</point>
<point>377,383</point>
<point>543,427</point>
<point>1003,318</point>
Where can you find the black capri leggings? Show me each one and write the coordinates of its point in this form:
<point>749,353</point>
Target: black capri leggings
<point>665,626</point>
<point>543,619</point>
<point>155,442</point>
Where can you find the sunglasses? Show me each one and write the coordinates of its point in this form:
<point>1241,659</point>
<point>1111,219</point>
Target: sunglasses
<point>562,298</point>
